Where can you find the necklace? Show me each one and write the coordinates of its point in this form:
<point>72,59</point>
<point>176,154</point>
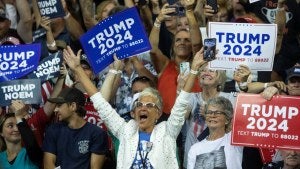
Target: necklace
<point>148,149</point>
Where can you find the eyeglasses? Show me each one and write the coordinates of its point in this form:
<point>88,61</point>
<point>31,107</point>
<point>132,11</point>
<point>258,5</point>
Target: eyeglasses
<point>216,113</point>
<point>148,105</point>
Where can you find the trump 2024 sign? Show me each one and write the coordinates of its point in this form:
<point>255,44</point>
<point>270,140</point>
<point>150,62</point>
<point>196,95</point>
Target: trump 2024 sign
<point>122,33</point>
<point>244,43</point>
<point>268,124</point>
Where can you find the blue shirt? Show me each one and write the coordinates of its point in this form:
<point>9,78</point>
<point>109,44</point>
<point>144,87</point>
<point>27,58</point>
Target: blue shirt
<point>22,161</point>
<point>73,147</point>
<point>141,158</point>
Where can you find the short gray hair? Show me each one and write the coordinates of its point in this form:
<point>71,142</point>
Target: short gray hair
<point>224,104</point>
<point>149,91</point>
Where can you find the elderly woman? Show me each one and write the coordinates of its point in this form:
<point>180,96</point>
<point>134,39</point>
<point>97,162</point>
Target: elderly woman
<point>143,143</point>
<point>212,83</point>
<point>215,151</point>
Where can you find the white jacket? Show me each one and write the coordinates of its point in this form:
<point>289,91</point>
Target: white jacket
<point>163,136</point>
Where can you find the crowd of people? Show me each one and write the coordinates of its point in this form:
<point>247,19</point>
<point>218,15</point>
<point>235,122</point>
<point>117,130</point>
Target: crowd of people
<point>142,112</point>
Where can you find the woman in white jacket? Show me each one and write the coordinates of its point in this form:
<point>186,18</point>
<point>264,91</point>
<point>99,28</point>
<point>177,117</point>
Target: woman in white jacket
<point>143,143</point>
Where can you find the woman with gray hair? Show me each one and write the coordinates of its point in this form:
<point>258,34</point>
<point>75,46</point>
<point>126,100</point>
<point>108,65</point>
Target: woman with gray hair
<point>143,143</point>
<point>215,151</point>
<point>212,83</point>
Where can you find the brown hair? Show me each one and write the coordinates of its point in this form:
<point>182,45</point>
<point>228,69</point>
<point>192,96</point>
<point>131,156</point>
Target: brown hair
<point>3,118</point>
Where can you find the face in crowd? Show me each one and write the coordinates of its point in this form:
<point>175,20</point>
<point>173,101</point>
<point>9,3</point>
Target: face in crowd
<point>147,110</point>
<point>9,129</point>
<point>215,117</point>
<point>294,86</point>
<point>291,158</point>
<point>182,44</point>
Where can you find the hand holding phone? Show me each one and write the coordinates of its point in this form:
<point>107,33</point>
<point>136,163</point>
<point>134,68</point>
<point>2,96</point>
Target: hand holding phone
<point>213,4</point>
<point>179,10</point>
<point>209,49</point>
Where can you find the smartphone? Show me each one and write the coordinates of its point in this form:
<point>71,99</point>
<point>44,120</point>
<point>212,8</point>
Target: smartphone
<point>209,49</point>
<point>171,2</point>
<point>179,10</point>
<point>184,67</point>
<point>213,4</point>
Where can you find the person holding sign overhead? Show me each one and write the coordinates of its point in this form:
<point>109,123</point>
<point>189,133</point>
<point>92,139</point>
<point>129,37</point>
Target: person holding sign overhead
<point>73,142</point>
<point>158,140</point>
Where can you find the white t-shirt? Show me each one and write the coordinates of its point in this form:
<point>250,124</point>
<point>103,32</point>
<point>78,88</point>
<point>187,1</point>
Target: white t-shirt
<point>215,154</point>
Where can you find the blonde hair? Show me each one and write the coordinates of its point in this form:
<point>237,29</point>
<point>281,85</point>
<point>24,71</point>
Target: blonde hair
<point>101,6</point>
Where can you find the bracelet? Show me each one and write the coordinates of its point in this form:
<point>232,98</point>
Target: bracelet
<point>67,15</point>
<point>265,85</point>
<point>157,25</point>
<point>114,71</point>
<point>157,20</point>
<point>52,45</point>
<point>194,72</point>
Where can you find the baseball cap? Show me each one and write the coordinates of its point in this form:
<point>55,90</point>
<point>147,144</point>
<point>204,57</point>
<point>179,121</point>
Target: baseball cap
<point>69,95</point>
<point>2,15</point>
<point>294,71</point>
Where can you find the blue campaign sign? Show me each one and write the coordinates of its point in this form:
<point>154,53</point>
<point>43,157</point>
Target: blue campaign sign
<point>18,60</point>
<point>48,68</point>
<point>51,8</point>
<point>122,33</point>
<point>28,90</point>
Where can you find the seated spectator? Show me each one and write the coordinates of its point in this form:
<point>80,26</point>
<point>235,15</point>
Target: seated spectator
<point>216,151</point>
<point>158,141</point>
<point>73,142</point>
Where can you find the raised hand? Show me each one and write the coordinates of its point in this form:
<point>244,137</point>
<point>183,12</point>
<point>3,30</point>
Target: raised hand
<point>242,73</point>
<point>198,60</point>
<point>71,59</point>
<point>18,107</point>
<point>46,23</point>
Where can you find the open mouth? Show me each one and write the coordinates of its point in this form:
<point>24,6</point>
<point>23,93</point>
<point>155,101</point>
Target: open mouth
<point>207,77</point>
<point>143,117</point>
